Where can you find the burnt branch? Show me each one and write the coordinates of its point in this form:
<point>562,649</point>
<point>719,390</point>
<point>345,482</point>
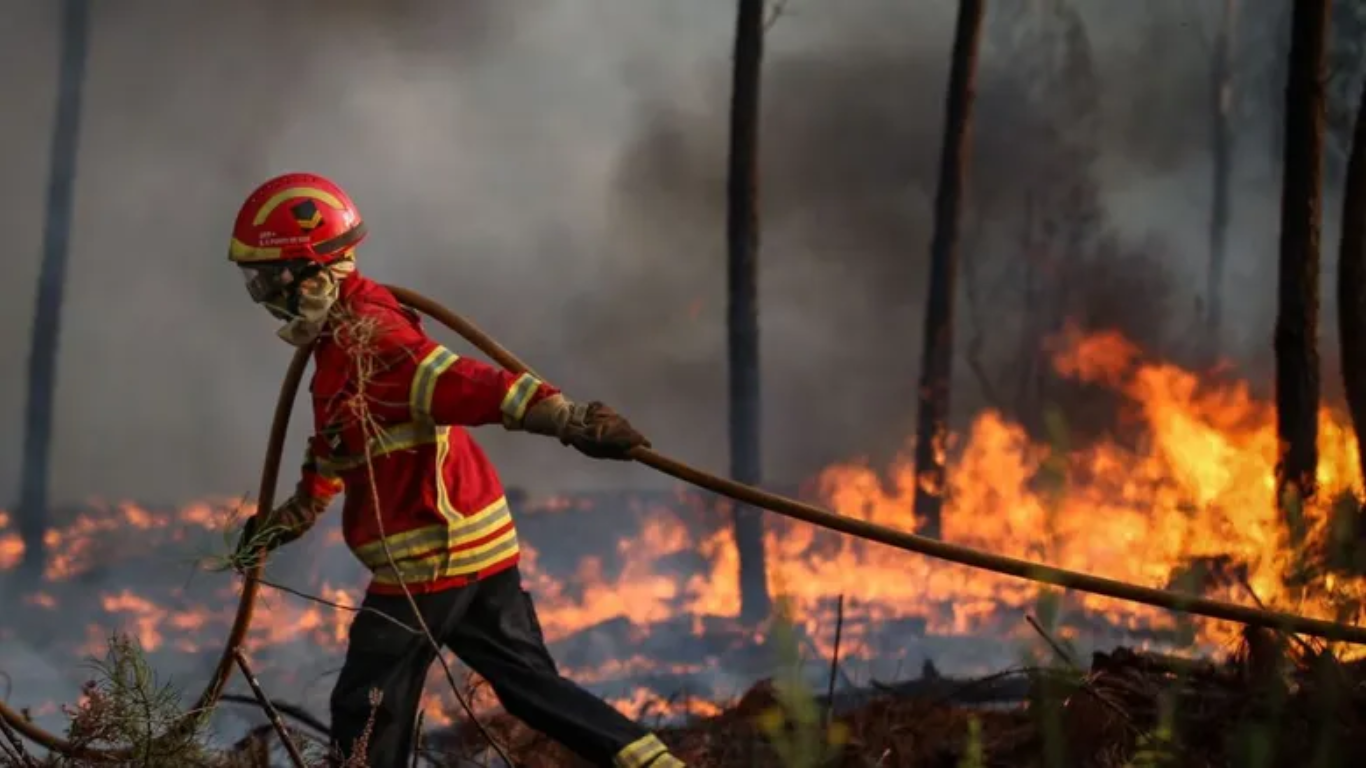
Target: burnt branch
<point>271,713</point>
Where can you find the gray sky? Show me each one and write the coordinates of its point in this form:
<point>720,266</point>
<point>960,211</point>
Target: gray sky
<point>555,169</point>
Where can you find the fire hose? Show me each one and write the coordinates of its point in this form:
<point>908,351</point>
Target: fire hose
<point>738,492</point>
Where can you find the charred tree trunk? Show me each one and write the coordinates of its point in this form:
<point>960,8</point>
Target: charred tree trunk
<point>1221,148</point>
<point>1296,342</point>
<point>42,362</point>
<point>1352,281</point>
<point>742,316</point>
<point>936,367</point>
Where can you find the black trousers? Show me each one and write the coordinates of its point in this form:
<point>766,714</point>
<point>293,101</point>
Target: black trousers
<point>491,626</point>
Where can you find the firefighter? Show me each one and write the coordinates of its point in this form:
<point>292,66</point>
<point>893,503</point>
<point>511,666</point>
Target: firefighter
<point>424,508</point>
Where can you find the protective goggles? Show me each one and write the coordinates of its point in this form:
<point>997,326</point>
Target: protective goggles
<point>274,283</point>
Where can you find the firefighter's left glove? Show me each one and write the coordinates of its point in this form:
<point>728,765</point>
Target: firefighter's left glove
<point>284,524</point>
<point>593,429</point>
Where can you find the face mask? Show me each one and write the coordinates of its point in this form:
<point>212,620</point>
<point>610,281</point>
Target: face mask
<point>302,302</point>
<point>314,299</point>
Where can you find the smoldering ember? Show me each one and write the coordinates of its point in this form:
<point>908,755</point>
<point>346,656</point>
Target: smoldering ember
<point>1038,289</point>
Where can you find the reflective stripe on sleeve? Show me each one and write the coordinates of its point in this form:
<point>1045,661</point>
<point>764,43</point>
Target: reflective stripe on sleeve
<point>320,466</point>
<point>517,398</point>
<point>424,381</point>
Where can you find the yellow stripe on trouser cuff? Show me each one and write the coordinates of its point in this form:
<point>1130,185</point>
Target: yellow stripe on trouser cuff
<point>442,536</point>
<point>517,398</point>
<point>424,381</point>
<point>446,564</point>
<point>640,752</point>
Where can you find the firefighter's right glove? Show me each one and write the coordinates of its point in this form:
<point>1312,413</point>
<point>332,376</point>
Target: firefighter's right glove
<point>601,433</point>
<point>284,524</point>
<point>593,429</point>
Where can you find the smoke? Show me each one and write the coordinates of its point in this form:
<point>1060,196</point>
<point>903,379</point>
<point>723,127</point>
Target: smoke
<point>852,122</point>
<point>556,171</point>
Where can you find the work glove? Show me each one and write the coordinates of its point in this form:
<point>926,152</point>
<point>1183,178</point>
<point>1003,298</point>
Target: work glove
<point>281,526</point>
<point>592,428</point>
<point>599,432</point>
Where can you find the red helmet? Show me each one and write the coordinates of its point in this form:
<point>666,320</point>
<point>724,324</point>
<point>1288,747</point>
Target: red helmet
<point>295,216</point>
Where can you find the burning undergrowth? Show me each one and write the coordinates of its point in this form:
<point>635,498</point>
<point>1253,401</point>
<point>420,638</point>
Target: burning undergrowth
<point>638,593</point>
<point>1265,704</point>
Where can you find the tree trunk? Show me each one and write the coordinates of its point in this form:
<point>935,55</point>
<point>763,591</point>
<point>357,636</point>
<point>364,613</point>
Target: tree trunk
<point>1221,148</point>
<point>1296,341</point>
<point>742,317</point>
<point>936,367</point>
<point>1352,281</point>
<point>42,363</point>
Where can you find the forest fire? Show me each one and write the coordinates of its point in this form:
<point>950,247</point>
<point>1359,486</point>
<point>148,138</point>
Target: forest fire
<point>1188,499</point>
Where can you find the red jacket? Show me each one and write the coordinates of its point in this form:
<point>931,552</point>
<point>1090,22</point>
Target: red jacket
<point>379,379</point>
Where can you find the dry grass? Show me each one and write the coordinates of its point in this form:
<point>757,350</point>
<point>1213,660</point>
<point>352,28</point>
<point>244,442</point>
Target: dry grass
<point>1273,703</point>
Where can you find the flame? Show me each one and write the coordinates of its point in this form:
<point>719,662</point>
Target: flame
<point>1187,477</point>
<point>41,600</point>
<point>341,619</point>
<point>638,593</point>
<point>74,549</point>
<point>11,546</point>
<point>645,704</point>
<point>1201,484</point>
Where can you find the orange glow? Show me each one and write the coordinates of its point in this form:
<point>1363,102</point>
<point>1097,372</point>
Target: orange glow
<point>11,546</point>
<point>41,600</point>
<point>1189,475</point>
<point>644,704</point>
<point>341,619</point>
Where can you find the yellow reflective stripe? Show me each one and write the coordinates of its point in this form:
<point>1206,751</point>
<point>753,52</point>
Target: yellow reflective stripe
<point>640,752</point>
<point>443,497</point>
<point>441,536</point>
<point>313,193</point>
<point>517,398</point>
<point>312,462</point>
<point>334,467</point>
<point>400,437</point>
<point>240,251</point>
<point>668,761</point>
<point>424,381</point>
<point>445,564</point>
